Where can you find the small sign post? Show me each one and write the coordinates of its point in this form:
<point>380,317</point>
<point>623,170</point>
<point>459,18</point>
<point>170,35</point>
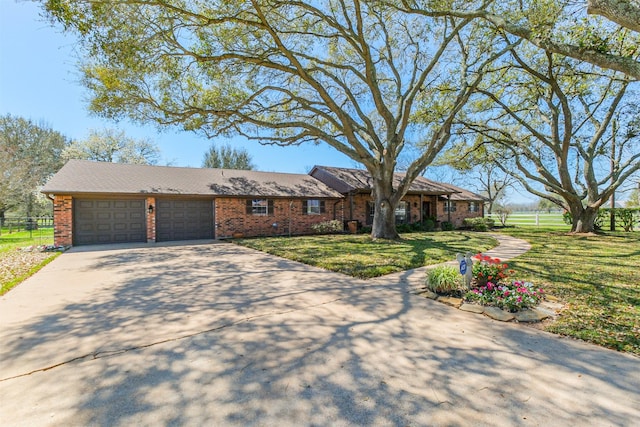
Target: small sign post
<point>465,265</point>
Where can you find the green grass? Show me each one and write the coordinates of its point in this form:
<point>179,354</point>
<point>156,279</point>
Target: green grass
<point>359,256</point>
<point>596,276</point>
<point>10,241</point>
<point>16,267</point>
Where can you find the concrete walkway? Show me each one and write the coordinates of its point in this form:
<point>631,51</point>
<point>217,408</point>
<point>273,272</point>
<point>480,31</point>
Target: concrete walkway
<point>217,334</point>
<point>508,248</point>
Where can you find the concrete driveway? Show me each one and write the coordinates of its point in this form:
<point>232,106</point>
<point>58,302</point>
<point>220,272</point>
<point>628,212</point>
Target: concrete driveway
<point>216,334</point>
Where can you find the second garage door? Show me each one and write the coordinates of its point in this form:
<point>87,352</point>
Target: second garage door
<point>184,219</point>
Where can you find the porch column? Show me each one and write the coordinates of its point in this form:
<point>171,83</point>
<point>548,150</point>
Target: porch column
<point>449,210</point>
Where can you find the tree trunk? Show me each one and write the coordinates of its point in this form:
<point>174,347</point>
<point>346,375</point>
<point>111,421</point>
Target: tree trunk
<point>583,219</point>
<point>384,217</point>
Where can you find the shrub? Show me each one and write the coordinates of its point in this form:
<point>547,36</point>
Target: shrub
<point>404,228</point>
<point>333,226</point>
<point>429,225</point>
<point>365,229</point>
<point>446,226</point>
<point>479,224</point>
<point>444,279</point>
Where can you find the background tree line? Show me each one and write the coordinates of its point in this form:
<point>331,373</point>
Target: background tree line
<point>31,152</point>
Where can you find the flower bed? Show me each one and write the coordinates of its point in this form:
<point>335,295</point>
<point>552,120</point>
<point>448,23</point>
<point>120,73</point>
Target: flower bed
<point>490,286</point>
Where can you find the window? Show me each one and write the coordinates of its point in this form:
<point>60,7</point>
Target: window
<point>402,213</point>
<point>449,208</point>
<point>313,207</point>
<point>371,210</point>
<point>259,207</point>
<point>474,207</point>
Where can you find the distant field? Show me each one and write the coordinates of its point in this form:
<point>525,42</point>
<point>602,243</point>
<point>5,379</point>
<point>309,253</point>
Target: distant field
<point>533,219</point>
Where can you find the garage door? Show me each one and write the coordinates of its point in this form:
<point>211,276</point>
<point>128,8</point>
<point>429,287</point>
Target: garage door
<point>108,221</point>
<point>184,219</point>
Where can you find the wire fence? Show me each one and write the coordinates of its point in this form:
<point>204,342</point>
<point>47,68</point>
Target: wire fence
<point>9,225</point>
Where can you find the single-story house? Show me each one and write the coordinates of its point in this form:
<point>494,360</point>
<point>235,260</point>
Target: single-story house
<point>425,198</point>
<point>99,202</point>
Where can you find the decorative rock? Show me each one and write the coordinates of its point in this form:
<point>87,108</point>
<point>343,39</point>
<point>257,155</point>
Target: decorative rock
<point>452,301</point>
<point>541,313</point>
<point>428,294</point>
<point>527,316</point>
<point>498,314</point>
<point>474,308</point>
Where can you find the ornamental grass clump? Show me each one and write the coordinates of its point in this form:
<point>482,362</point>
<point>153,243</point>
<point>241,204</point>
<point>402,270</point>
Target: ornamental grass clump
<point>444,279</point>
<point>491,286</point>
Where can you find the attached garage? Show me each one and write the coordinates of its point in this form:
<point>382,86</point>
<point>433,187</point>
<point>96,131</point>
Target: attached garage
<point>184,219</point>
<point>98,221</point>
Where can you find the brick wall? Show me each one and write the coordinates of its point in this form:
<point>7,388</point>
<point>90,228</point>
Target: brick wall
<point>231,217</point>
<point>360,206</point>
<point>63,220</point>
<point>462,211</point>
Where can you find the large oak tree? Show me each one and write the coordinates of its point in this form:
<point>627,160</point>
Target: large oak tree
<point>568,135</point>
<point>363,77</point>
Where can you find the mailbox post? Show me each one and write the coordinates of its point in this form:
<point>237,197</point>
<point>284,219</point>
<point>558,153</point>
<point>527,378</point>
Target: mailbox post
<point>465,264</point>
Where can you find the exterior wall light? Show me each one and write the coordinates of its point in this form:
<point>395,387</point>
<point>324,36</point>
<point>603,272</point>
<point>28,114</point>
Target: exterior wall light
<point>150,209</point>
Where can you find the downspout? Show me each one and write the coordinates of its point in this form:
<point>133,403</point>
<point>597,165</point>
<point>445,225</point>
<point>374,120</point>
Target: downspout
<point>290,210</point>
<point>350,205</point>
<point>421,210</point>
<point>334,209</point>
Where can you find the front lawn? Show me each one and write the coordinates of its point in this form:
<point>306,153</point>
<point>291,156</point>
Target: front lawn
<point>16,264</point>
<point>357,255</point>
<point>596,276</point>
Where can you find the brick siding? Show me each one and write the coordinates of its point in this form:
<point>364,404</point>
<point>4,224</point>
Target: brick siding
<point>462,211</point>
<point>287,218</point>
<point>63,220</point>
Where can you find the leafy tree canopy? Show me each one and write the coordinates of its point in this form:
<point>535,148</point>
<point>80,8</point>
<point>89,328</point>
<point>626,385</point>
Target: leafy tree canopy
<point>227,157</point>
<point>366,78</point>
<point>30,153</point>
<point>560,26</point>
<point>110,145</point>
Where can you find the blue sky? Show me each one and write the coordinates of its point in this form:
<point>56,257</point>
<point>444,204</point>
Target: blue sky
<point>39,81</point>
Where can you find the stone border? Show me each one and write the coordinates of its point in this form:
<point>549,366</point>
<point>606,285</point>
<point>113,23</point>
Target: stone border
<point>545,310</point>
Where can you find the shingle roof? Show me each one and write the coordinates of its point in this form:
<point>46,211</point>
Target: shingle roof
<point>463,194</point>
<point>88,177</point>
<point>346,180</point>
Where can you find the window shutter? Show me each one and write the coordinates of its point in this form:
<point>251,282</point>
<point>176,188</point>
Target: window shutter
<point>322,209</point>
<point>270,207</point>
<point>304,207</point>
<point>249,206</point>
